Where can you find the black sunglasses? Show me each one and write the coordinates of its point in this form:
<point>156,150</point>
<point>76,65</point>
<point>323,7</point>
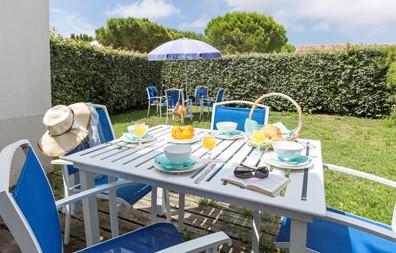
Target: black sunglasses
<point>244,172</point>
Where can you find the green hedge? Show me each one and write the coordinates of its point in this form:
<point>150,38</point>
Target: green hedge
<point>351,82</point>
<point>347,83</point>
<point>80,72</point>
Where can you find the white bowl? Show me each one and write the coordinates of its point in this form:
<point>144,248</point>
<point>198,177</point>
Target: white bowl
<point>226,126</point>
<point>178,154</point>
<point>287,150</point>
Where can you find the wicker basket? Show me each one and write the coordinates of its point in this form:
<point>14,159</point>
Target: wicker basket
<point>296,133</point>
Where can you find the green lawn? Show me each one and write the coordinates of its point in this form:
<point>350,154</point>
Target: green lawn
<point>364,144</point>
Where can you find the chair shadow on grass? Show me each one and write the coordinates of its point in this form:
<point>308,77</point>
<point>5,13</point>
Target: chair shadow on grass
<point>141,115</point>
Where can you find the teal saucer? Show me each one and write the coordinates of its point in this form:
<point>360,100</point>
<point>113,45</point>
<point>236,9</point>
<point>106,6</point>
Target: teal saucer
<point>132,137</point>
<point>165,164</point>
<point>296,161</point>
<point>231,134</point>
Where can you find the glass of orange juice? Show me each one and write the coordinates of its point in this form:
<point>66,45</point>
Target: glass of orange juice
<point>209,142</point>
<point>258,139</point>
<point>140,130</point>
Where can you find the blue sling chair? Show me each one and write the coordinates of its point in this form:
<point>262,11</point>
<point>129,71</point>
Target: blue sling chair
<point>223,111</point>
<point>201,92</point>
<point>343,232</point>
<point>175,97</point>
<point>154,100</point>
<point>30,213</point>
<point>127,195</point>
<point>201,95</point>
<point>209,104</point>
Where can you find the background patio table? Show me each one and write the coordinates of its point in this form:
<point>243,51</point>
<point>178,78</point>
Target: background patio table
<point>135,163</point>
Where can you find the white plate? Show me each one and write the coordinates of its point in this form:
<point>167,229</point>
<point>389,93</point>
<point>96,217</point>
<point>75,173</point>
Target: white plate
<point>172,140</point>
<point>271,159</point>
<point>219,135</point>
<point>150,137</point>
<point>187,169</point>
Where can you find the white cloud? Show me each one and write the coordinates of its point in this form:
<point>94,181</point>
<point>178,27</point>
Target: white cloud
<point>67,23</point>
<point>198,23</point>
<point>152,9</point>
<point>343,15</point>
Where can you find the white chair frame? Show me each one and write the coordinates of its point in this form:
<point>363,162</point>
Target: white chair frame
<point>241,102</point>
<point>69,181</point>
<point>23,233</point>
<point>355,223</point>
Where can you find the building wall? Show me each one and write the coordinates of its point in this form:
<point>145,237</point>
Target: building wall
<point>25,87</point>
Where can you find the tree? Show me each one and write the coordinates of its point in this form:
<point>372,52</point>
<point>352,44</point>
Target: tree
<point>241,32</point>
<point>137,34</point>
<point>82,37</point>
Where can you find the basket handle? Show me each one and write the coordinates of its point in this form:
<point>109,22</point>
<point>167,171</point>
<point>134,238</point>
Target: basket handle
<point>298,107</point>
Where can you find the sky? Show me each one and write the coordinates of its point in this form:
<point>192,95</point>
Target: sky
<point>306,21</point>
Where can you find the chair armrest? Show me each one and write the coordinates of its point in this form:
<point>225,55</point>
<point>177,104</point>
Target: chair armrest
<point>361,225</point>
<point>394,219</point>
<point>61,162</point>
<point>361,174</point>
<point>6,156</point>
<point>89,193</point>
<point>212,241</point>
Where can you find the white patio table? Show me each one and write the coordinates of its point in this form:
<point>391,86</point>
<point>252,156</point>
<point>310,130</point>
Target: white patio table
<point>136,163</point>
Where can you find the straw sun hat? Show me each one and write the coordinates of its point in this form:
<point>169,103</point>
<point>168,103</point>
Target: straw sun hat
<point>67,127</point>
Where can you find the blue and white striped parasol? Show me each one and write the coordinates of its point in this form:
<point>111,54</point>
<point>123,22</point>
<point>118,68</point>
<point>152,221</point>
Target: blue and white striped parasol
<point>183,49</point>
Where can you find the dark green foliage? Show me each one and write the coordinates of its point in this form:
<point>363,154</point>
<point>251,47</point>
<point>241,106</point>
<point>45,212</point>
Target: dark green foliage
<point>351,82</point>
<point>391,75</point>
<point>80,72</point>
<point>137,34</point>
<point>241,32</point>
<point>81,36</point>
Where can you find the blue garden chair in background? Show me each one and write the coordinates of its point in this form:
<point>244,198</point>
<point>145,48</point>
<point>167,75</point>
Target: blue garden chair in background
<point>339,231</point>
<point>30,213</point>
<point>175,97</point>
<point>154,99</point>
<point>201,95</point>
<point>127,195</point>
<point>223,111</point>
<point>208,103</point>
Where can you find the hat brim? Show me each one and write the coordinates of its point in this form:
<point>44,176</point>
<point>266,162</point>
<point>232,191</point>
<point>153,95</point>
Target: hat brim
<point>82,115</point>
<point>62,144</point>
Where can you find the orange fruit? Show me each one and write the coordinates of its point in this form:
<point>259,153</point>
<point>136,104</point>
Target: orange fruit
<point>186,135</point>
<point>182,133</point>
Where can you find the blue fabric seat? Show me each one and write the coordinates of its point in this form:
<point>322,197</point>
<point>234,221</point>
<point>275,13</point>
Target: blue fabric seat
<point>224,112</point>
<point>30,212</point>
<point>128,194</point>
<point>328,237</point>
<point>201,92</point>
<point>149,239</point>
<point>219,98</point>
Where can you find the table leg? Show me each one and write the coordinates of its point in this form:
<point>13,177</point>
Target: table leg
<point>166,205</point>
<point>256,231</point>
<point>153,204</point>
<point>90,209</point>
<point>113,211</point>
<point>298,236</point>
<point>180,222</point>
